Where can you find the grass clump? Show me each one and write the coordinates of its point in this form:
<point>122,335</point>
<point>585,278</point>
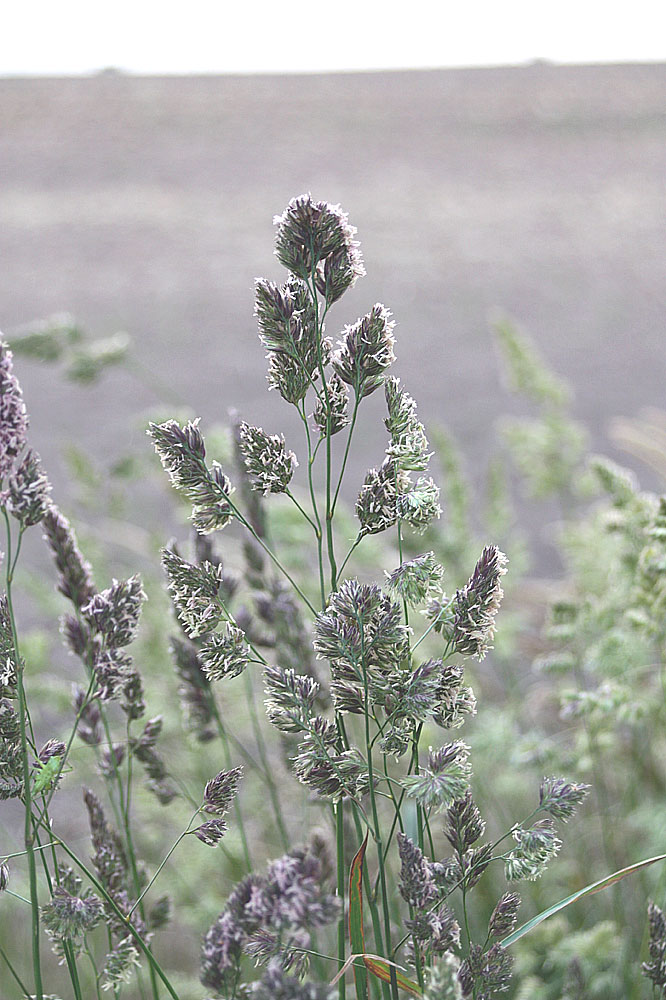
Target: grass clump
<point>385,873</point>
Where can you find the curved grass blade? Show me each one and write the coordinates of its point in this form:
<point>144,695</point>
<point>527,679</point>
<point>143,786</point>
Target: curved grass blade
<point>381,968</point>
<point>368,956</point>
<point>356,936</point>
<point>589,890</point>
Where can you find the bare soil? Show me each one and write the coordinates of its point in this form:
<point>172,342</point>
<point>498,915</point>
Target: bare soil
<point>145,204</point>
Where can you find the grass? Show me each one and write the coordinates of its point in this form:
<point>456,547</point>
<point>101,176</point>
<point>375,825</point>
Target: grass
<point>324,675</point>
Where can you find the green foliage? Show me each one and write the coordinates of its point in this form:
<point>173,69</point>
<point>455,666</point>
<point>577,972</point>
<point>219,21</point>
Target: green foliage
<point>526,373</point>
<point>61,339</point>
<point>560,963</point>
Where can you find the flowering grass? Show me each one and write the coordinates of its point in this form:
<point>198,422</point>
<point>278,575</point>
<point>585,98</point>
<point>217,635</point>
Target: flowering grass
<point>382,892</point>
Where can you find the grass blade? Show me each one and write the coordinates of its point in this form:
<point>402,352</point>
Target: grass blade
<point>589,890</point>
<point>382,969</point>
<point>356,936</point>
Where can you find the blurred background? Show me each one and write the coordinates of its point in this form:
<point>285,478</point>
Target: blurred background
<point>141,201</point>
<point>497,161</point>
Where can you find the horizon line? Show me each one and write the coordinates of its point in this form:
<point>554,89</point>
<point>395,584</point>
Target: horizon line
<point>120,71</point>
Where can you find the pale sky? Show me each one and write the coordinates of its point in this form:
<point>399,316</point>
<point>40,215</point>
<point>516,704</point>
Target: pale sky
<point>218,36</point>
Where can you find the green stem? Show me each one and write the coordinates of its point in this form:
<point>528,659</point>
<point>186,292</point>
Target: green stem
<point>229,763</point>
<point>319,324</point>
<point>124,796</point>
<point>341,886</point>
<point>24,989</point>
<point>67,948</point>
<point>462,881</point>
<point>396,814</point>
<point>465,919</point>
<point>71,968</point>
<point>346,454</point>
<point>376,832</point>
<point>163,862</point>
<point>303,512</point>
<point>370,895</point>
<point>27,792</point>
<point>271,555</point>
<point>263,756</point>
<point>154,964</point>
<point>347,557</point>
<point>601,789</point>
<point>10,892</point>
<point>52,791</point>
<point>313,499</point>
<point>22,854</point>
<point>417,735</point>
<point>91,957</point>
<point>265,769</point>
<point>243,751</point>
<point>429,629</point>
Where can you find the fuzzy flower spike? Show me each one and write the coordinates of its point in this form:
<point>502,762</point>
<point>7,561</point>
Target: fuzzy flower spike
<point>477,604</point>
<point>314,237</point>
<point>182,453</point>
<point>13,415</point>
<point>366,351</point>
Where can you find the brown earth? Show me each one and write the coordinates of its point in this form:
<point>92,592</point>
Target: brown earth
<point>146,204</point>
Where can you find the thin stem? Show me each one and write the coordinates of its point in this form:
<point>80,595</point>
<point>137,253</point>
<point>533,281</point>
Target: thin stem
<point>347,557</point>
<point>263,756</point>
<point>459,884</point>
<point>465,918</point>
<point>417,947</point>
<point>346,454</point>
<point>243,751</point>
<point>313,499</point>
<point>375,817</point>
<point>371,897</point>
<point>319,324</point>
<point>601,789</point>
<point>271,555</point>
<point>154,964</point>
<point>22,854</point>
<point>184,789</point>
<point>429,629</point>
<point>70,958</point>
<point>164,861</point>
<point>417,734</point>
<point>52,791</point>
<point>91,957</point>
<point>397,813</point>
<point>232,621</point>
<point>399,527</point>
<point>303,512</point>
<point>68,950</point>
<point>341,880</point>
<point>3,954</point>
<point>265,769</point>
<point>10,892</point>
<point>228,761</point>
<point>27,792</point>
<point>124,801</point>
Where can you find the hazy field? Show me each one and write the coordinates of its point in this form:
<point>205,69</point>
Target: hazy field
<point>146,204</point>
